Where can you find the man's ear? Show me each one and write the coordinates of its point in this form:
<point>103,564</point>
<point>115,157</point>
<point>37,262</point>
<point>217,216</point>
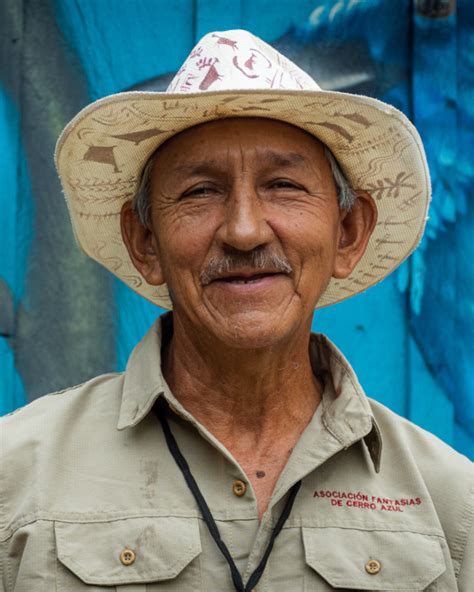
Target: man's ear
<point>142,246</point>
<point>355,229</point>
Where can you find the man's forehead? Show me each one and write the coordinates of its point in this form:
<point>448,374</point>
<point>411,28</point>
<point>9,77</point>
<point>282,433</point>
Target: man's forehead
<point>270,142</point>
<point>267,157</point>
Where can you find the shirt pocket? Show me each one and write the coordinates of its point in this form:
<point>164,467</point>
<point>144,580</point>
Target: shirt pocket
<point>371,560</point>
<point>95,557</point>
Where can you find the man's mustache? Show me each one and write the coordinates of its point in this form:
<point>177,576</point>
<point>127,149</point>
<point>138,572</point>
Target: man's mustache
<point>257,259</point>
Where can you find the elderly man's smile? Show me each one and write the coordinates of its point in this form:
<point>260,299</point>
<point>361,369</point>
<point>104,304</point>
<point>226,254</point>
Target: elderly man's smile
<point>249,273</point>
<point>249,284</point>
<point>247,279</point>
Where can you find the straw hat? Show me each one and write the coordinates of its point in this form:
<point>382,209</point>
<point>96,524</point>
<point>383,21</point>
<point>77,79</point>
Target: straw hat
<point>101,153</point>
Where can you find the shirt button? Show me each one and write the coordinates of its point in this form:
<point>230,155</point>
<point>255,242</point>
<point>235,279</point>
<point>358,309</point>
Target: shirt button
<point>373,567</point>
<point>127,557</point>
<point>239,488</point>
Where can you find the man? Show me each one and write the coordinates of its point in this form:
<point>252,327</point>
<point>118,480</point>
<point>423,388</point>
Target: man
<point>237,451</point>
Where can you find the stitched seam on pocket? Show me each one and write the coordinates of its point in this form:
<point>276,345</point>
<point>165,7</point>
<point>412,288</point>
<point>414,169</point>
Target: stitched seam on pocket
<point>332,574</point>
<point>362,527</point>
<point>79,571</point>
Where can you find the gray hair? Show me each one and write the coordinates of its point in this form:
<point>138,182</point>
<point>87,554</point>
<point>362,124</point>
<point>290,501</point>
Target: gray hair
<point>141,202</point>
<point>346,195</point>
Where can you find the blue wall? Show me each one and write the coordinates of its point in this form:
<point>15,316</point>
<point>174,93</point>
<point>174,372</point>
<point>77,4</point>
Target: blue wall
<point>64,319</point>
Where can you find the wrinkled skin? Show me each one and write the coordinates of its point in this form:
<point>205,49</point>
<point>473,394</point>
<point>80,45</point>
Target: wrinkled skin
<point>239,354</point>
<point>255,183</point>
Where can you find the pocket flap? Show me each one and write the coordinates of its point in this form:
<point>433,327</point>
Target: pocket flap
<point>373,560</point>
<point>162,548</point>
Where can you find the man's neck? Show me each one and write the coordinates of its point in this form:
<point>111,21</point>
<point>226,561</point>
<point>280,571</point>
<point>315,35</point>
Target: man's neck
<point>257,403</point>
<point>238,391</point>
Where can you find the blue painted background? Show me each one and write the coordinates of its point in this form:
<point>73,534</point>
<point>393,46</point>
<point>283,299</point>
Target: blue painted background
<point>63,319</point>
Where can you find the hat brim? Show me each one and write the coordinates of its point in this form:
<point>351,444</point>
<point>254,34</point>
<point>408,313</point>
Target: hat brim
<point>101,153</point>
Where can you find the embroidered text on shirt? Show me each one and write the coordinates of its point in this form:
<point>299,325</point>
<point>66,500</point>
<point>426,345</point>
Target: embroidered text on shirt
<point>364,501</point>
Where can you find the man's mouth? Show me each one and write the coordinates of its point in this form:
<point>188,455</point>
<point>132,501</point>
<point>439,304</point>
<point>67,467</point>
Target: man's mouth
<point>257,267</point>
<point>252,279</point>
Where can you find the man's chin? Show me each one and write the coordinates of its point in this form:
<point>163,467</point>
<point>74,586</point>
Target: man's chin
<point>255,329</point>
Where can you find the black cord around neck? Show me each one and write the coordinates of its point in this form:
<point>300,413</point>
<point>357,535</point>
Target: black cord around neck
<point>208,517</point>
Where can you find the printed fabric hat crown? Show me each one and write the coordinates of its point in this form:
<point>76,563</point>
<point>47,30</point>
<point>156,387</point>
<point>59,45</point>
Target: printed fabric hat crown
<point>101,153</point>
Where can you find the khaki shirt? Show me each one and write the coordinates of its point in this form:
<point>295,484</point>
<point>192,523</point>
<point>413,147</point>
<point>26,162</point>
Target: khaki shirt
<point>86,479</point>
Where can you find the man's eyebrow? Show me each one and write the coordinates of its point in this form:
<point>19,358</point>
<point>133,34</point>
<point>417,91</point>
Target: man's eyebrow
<point>286,159</point>
<point>277,159</point>
<point>195,168</point>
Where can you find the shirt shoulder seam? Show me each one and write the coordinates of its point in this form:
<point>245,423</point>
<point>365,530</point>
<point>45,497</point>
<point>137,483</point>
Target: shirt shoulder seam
<point>66,390</point>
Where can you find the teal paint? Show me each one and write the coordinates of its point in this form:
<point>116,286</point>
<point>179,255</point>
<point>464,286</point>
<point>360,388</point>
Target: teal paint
<point>264,18</point>
<point>120,44</point>
<point>428,404</point>
<point>11,387</point>
<point>133,316</point>
<point>61,331</point>
<point>220,15</point>
<point>442,282</point>
<point>10,147</point>
<point>462,441</point>
<point>371,332</point>
<point>270,19</point>
<point>16,237</point>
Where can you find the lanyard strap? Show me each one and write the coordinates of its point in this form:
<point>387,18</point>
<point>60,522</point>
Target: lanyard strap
<point>208,517</point>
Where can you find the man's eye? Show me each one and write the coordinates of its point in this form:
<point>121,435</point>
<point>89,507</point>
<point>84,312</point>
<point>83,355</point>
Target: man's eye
<point>283,184</point>
<point>203,190</point>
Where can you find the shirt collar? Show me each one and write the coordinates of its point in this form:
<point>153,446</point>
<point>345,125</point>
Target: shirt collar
<point>143,380</point>
<point>346,412</point>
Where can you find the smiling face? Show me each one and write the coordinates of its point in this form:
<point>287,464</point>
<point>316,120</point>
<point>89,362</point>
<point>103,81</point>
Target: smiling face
<point>246,230</point>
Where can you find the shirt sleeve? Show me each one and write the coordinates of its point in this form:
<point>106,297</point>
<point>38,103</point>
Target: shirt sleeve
<point>3,568</point>
<point>466,573</point>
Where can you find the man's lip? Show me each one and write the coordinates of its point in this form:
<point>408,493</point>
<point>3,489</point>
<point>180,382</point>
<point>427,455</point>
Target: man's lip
<point>246,276</point>
<point>254,285</point>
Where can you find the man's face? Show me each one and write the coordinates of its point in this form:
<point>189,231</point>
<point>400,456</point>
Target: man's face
<point>246,229</point>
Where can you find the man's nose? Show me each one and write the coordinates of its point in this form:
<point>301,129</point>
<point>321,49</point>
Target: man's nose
<point>244,226</point>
